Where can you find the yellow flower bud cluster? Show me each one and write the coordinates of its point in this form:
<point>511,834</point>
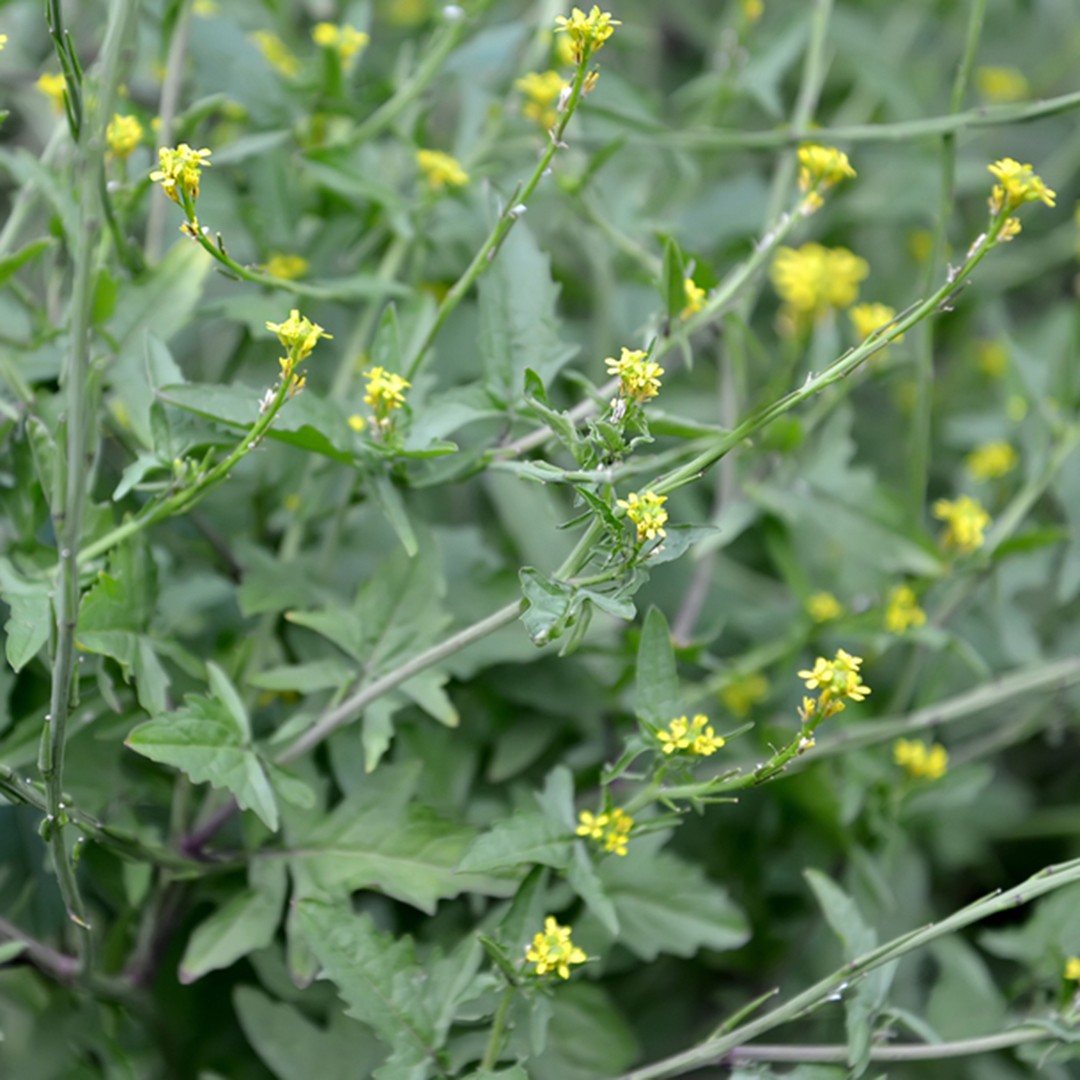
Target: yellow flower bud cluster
<point>122,135</point>
<point>587,32</point>
<point>919,761</point>
<point>696,737</point>
<point>645,510</point>
<point>299,335</point>
<point>345,40</point>
<point>553,951</point>
<point>639,377</point>
<point>902,610</point>
<point>991,461</point>
<point>813,278</point>
<point>820,167</point>
<point>836,680</point>
<point>441,170</point>
<point>542,91</point>
<point>965,523</point>
<point>384,393</point>
<point>179,170</point>
<point>610,829</point>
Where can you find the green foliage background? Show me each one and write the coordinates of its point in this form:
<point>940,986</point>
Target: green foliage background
<point>333,927</point>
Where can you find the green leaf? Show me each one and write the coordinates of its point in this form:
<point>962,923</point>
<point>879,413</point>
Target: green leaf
<point>588,1037</point>
<point>522,839</point>
<point>330,673</point>
<point>381,837</point>
<point>549,605</point>
<point>245,923</point>
<point>393,506</point>
<point>667,905</point>
<point>657,681</point>
<point>204,740</point>
<point>674,274</point>
<point>10,264</point>
<point>294,1048</point>
<point>378,978</point>
<point>518,325</point>
<point>29,619</point>
<point>679,540</point>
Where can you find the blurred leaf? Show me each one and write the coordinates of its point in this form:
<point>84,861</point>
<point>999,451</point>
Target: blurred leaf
<point>29,619</point>
<point>657,687</point>
<point>10,264</point>
<point>522,839</point>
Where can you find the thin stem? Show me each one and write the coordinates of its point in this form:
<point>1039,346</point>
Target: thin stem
<point>922,1052</point>
<point>514,208</point>
<point>922,420</point>
<point>901,131</point>
<point>188,496</point>
<point>167,106</point>
<point>71,489</point>
<point>498,1026</point>
<point>717,1050</point>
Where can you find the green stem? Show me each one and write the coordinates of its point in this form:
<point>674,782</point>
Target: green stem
<point>514,208</point>
<point>70,490</point>
<point>187,497</point>
<point>930,127</point>
<point>985,1044</point>
<point>716,1050</point>
<point>922,418</point>
<point>498,1026</point>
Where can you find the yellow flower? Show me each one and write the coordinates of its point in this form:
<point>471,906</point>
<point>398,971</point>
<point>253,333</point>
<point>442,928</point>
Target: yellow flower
<point>276,53</point>
<point>552,950</point>
<point>3,41</point>
<point>1072,968</point>
<point>591,825</point>
<point>53,87</point>
<point>824,607</point>
<point>345,40</point>
<point>286,267</point>
<point>991,460</point>
<point>919,761</point>
<point>647,513</point>
<point>812,278</point>
<point>993,360</point>
<point>357,423</point>
<point>639,378</point>
<point>1018,185</point>
<point>123,134</point>
<point>866,318</point>
<point>298,334</point>
<point>542,91</point>
<point>903,610</point>
<point>1002,85</point>
<point>820,167</point>
<point>587,32</point>
<point>696,736</point>
<point>836,679</point>
<point>695,298</point>
<point>613,829</point>
<point>179,170</point>
<point>753,9</point>
<point>965,521</point>
<point>743,693</point>
<point>384,393</point>
<point>441,169</point>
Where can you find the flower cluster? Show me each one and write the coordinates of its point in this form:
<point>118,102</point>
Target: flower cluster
<point>867,318</point>
<point>276,53</point>
<point>646,511</point>
<point>1072,968</point>
<point>1018,185</point>
<point>639,377</point>
<point>695,298</point>
<point>122,135</point>
<point>812,278</point>
<point>385,392</point>
<point>824,607</point>
<point>53,87</point>
<point>345,40</point>
<point>587,32</point>
<point>744,692</point>
<point>542,92</point>
<point>611,829</point>
<point>1002,85</point>
<point>299,335</point>
<point>820,167</point>
<point>695,736</point>
<point>919,761</point>
<point>836,680</point>
<point>441,170</point>
<point>991,461</point>
<point>965,523</point>
<point>552,950</point>
<point>286,267</point>
<point>179,170</point>
<point>902,610</point>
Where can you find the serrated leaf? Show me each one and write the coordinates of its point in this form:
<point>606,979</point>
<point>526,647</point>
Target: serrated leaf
<point>523,839</point>
<point>549,605</point>
<point>204,740</point>
<point>657,682</point>
<point>30,617</point>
